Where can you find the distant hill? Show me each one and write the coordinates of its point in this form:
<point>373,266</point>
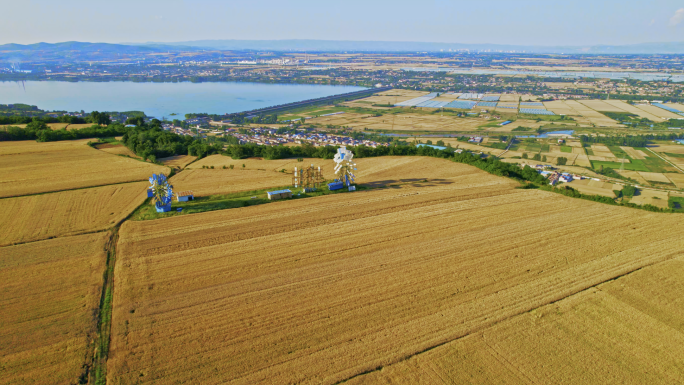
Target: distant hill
<point>90,49</point>
<point>398,46</point>
<point>78,46</point>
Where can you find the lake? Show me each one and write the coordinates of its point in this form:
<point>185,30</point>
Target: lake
<point>161,99</point>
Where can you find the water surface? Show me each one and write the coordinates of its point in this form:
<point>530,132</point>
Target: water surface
<point>161,99</point>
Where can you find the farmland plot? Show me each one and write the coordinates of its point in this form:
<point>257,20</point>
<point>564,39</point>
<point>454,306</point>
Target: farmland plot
<point>594,337</point>
<point>211,182</point>
<point>324,289</point>
<point>657,111</point>
<point>49,294</point>
<point>30,218</point>
<point>633,110</point>
<point>116,149</point>
<point>30,168</point>
<point>178,161</point>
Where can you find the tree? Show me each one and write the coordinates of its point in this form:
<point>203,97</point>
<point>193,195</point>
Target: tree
<point>561,161</point>
<point>629,191</point>
<point>100,118</point>
<point>524,155</point>
<point>136,121</point>
<point>544,158</point>
<point>237,152</point>
<point>440,143</point>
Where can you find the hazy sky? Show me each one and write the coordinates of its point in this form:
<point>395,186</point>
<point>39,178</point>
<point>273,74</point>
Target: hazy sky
<point>548,22</point>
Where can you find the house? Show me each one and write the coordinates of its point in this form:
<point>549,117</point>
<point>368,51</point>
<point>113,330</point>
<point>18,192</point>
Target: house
<point>279,194</point>
<point>185,196</point>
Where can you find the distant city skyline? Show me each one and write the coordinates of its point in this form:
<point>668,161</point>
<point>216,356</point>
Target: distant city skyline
<point>523,22</point>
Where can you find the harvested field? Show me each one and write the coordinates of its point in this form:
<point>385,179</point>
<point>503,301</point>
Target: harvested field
<point>572,341</point>
<point>677,179</point>
<point>602,151</point>
<point>178,161</point>
<point>657,111</point>
<point>634,153</point>
<point>600,105</point>
<point>404,93</point>
<point>260,174</point>
<point>49,295</point>
<point>582,160</point>
<point>560,108</point>
<point>211,182</point>
<point>35,217</point>
<point>633,110</point>
<point>654,177</point>
<point>634,175</point>
<point>594,117</point>
<point>31,168</point>
<point>510,98</point>
<point>353,282</point>
<point>116,149</point>
<point>592,187</point>
<point>671,148</point>
<point>402,122</point>
<point>218,161</point>
<point>651,197</point>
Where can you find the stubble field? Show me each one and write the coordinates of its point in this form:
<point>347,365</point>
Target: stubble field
<point>35,217</point>
<point>31,168</point>
<point>325,289</point>
<point>49,294</point>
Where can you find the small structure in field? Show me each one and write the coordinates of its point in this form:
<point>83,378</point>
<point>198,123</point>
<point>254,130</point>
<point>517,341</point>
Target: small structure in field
<point>162,192</point>
<point>309,178</point>
<point>344,168</point>
<point>279,194</point>
<point>185,196</point>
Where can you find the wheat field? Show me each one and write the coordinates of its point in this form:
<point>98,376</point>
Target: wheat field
<point>325,289</point>
<point>35,217</point>
<point>28,167</point>
<point>49,295</point>
<point>626,331</point>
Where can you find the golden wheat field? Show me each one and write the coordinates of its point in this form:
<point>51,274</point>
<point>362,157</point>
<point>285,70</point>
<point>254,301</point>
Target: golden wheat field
<point>35,217</point>
<point>28,167</point>
<point>49,294</point>
<point>210,182</point>
<point>326,289</point>
<point>178,161</point>
<point>116,149</point>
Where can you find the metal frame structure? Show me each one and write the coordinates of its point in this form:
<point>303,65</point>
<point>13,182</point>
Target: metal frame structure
<point>308,177</point>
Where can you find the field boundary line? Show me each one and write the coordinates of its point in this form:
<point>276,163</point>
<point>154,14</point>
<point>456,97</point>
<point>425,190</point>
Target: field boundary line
<point>670,163</point>
<point>57,237</point>
<point>488,326</point>
<point>71,189</point>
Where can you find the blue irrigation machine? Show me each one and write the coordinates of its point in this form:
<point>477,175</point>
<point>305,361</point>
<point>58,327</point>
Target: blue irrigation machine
<point>161,191</point>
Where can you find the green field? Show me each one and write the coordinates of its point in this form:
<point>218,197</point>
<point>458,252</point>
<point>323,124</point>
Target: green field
<point>229,201</point>
<point>566,149</point>
<point>634,166</point>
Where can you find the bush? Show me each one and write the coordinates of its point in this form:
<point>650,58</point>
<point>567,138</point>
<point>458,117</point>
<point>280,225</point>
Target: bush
<point>629,191</point>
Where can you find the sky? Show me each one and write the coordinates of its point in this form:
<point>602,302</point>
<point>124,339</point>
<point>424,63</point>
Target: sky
<point>520,22</point>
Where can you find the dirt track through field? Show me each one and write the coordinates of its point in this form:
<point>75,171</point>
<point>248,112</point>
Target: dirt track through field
<point>322,290</point>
